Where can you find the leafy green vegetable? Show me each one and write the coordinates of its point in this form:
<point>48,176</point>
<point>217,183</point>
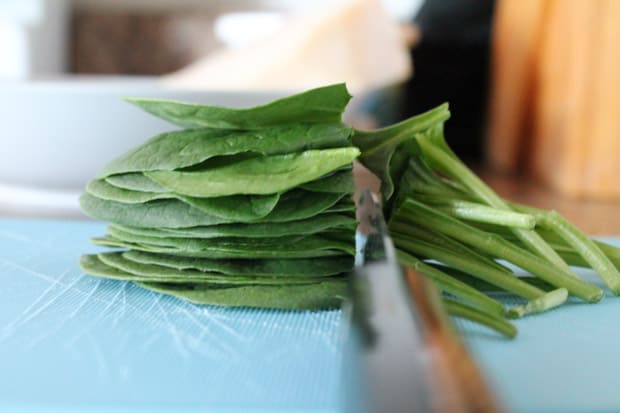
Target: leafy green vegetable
<point>310,267</point>
<point>400,226</point>
<point>485,287</point>
<point>386,151</point>
<point>320,105</point>
<point>471,211</point>
<point>317,223</point>
<point>258,199</point>
<point>252,207</point>
<point>103,189</point>
<point>298,204</point>
<point>242,208</point>
<point>477,269</point>
<point>262,175</point>
<point>217,248</point>
<point>339,182</point>
<point>233,207</point>
<point>548,301</point>
<point>458,309</point>
<point>453,286</point>
<point>169,213</point>
<point>182,149</point>
<point>437,154</point>
<point>294,242</point>
<point>498,246</point>
<point>584,246</point>
<point>343,206</point>
<point>153,272</point>
<point>316,296</point>
<point>113,266</point>
<point>135,181</point>
<point>162,213</point>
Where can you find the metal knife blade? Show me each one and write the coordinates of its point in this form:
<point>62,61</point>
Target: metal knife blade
<point>386,331</point>
<point>401,349</point>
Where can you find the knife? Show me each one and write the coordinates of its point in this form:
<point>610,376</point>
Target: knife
<point>402,353</point>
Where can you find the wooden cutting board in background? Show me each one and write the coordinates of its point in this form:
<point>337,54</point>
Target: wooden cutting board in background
<point>555,98</point>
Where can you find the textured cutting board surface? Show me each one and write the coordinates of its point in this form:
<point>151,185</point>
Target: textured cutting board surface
<point>563,361</point>
<point>70,342</point>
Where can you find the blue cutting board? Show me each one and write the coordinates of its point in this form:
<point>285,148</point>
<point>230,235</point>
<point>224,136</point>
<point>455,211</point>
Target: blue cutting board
<point>70,342</point>
<point>563,361</point>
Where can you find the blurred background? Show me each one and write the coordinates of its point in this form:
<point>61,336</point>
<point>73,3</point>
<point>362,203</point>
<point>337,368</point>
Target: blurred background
<point>533,85</point>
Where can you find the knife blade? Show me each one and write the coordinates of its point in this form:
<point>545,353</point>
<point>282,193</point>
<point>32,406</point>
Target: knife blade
<point>402,354</point>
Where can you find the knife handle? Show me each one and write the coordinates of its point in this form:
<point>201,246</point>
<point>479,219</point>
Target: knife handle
<point>458,380</point>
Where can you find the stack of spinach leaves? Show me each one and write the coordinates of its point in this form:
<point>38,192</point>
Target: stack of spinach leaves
<point>241,207</point>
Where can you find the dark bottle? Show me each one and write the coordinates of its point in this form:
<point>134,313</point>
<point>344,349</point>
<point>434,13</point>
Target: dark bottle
<point>452,64</point>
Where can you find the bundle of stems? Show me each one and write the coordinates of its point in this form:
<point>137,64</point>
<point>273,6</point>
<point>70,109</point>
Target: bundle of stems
<point>447,224</point>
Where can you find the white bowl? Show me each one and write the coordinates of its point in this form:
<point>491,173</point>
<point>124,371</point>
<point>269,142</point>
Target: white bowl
<point>56,134</point>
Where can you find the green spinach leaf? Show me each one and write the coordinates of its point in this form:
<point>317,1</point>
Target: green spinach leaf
<point>262,175</point>
<point>320,105</point>
<point>306,226</point>
<point>339,182</point>
<point>242,248</point>
<point>182,149</point>
<point>135,181</point>
<point>233,207</point>
<point>298,267</point>
<point>171,213</point>
<point>386,152</point>
<point>317,296</point>
<point>152,272</point>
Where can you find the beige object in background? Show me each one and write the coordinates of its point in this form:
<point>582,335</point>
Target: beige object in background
<point>353,41</point>
<point>568,90</point>
<point>515,44</point>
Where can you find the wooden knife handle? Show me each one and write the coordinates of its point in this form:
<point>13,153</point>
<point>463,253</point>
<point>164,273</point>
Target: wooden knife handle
<point>458,380</point>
